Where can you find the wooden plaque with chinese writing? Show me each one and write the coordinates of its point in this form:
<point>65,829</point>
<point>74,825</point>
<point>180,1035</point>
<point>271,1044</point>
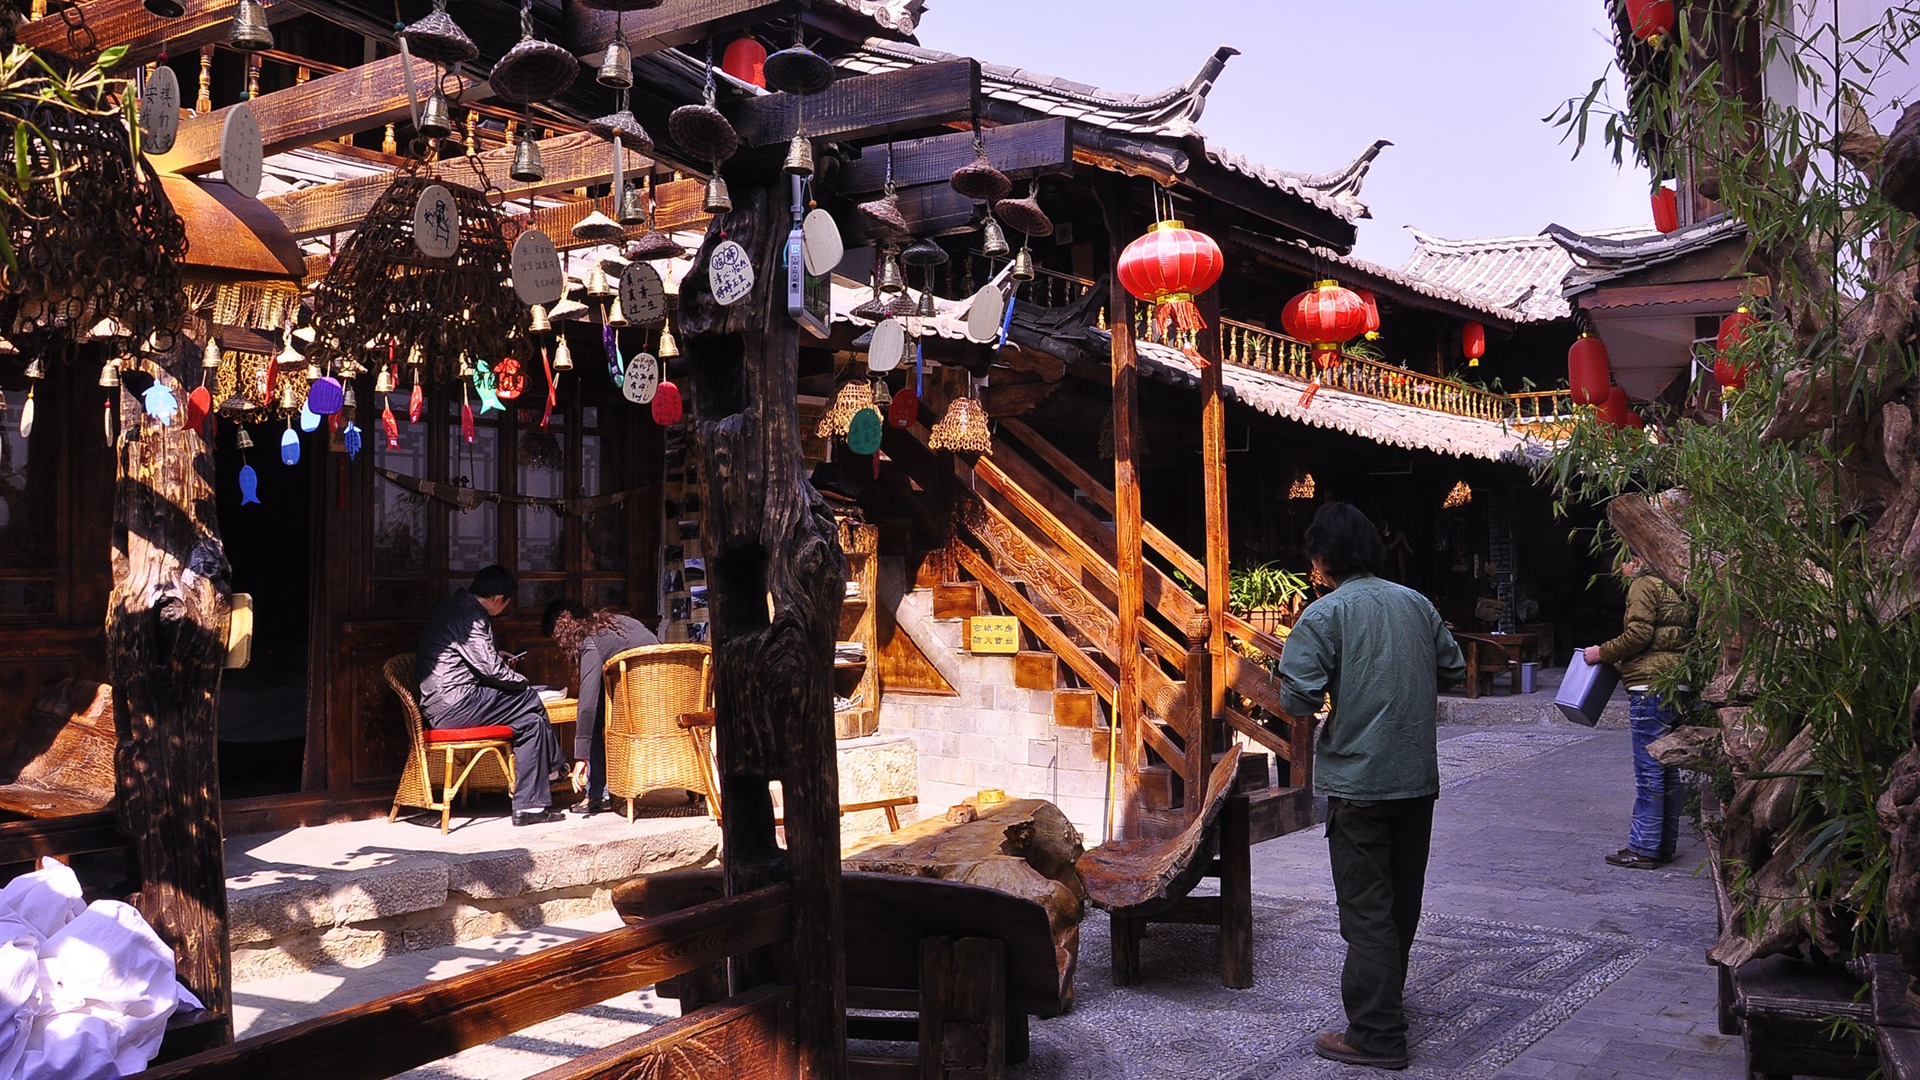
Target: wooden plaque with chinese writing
<point>993,634</point>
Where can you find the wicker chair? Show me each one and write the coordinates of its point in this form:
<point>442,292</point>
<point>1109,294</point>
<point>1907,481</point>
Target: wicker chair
<point>484,754</point>
<point>648,690</point>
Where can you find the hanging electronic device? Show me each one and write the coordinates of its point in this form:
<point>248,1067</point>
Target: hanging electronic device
<point>809,296</point>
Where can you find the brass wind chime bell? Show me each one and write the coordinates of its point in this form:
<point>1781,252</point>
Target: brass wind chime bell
<point>993,239</point>
<point>598,286</point>
<point>166,9</point>
<point>669,348</point>
<point>538,323</point>
<point>527,167</point>
<point>383,383</point>
<point>633,206</point>
<point>562,356</point>
<point>436,120</point>
<point>718,200</point>
<point>799,156</point>
<point>1023,264</point>
<point>210,356</point>
<point>615,317</point>
<point>110,374</point>
<point>616,70</point>
<point>250,32</point>
<point>892,282</point>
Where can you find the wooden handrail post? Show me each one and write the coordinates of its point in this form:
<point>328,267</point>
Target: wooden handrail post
<point>1213,432</point>
<point>1201,716</point>
<point>1124,791</point>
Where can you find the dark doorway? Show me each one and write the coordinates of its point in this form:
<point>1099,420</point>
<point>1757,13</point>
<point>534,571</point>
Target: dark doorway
<point>263,706</point>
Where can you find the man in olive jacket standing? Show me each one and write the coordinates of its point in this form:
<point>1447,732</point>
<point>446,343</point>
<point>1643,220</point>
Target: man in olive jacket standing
<point>1651,647</point>
<point>1377,653</point>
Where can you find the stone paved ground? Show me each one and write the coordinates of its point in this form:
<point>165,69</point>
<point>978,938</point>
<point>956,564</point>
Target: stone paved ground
<point>1527,814</point>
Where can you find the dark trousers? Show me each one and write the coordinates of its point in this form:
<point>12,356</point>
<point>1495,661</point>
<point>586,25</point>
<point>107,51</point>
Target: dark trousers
<point>536,752</point>
<point>1379,855</point>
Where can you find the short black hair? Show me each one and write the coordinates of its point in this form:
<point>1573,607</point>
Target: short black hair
<point>493,581</point>
<point>551,617</point>
<point>1345,541</point>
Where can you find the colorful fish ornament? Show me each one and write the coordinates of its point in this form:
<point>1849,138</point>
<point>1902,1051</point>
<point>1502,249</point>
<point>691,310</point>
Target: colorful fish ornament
<point>391,426</point>
<point>290,446</point>
<point>416,404</point>
<point>160,403</point>
<point>249,486</point>
<point>487,384</point>
<point>199,407</point>
<point>351,439</point>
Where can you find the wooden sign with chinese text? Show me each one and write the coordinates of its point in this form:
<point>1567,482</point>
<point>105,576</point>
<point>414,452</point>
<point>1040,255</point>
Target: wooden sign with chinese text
<point>993,634</point>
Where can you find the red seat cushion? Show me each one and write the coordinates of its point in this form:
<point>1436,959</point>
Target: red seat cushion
<point>468,734</point>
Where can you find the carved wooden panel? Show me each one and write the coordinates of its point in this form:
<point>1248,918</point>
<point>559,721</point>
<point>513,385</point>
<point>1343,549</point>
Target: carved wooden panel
<point>1015,554</point>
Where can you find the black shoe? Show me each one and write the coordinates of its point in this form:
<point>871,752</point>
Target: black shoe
<point>537,817</point>
<point>590,807</point>
<point>1633,860</point>
<point>1333,1046</point>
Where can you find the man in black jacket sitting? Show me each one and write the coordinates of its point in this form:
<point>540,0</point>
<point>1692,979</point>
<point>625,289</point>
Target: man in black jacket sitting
<point>465,683</point>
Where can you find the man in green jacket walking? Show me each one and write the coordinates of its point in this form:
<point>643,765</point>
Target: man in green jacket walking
<point>1375,652</point>
<point>1651,647</point>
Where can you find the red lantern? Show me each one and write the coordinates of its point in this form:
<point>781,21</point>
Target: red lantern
<point>1589,370</point>
<point>510,380</point>
<point>1650,19</point>
<point>746,60</point>
<point>1326,317</point>
<point>1169,266</point>
<point>1473,343</point>
<point>1666,209</point>
<point>1616,410</point>
<point>1733,331</point>
<point>1373,311</point>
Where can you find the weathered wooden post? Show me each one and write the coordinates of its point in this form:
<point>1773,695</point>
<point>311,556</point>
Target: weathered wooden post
<point>1130,603</point>
<point>775,580</point>
<point>166,647</point>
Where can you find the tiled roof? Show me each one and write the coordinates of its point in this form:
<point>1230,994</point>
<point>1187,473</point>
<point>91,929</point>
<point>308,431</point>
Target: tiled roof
<point>1385,422</point>
<point>900,16</point>
<point>1372,275</point>
<point>1600,258</point>
<point>1518,274</point>
<point>1171,114</point>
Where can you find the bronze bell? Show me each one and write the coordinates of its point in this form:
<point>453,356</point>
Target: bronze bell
<point>926,309</point>
<point>166,9</point>
<point>436,120</point>
<point>615,317</point>
<point>598,286</point>
<point>993,239</point>
<point>415,358</point>
<point>244,441</point>
<point>669,348</point>
<point>110,373</point>
<point>891,280</point>
<point>633,207</point>
<point>249,32</point>
<point>526,166</point>
<point>289,395</point>
<point>718,200</point>
<point>616,70</point>
<point>36,370</point>
<point>383,382</point>
<point>562,358</point>
<point>1023,265</point>
<point>799,157</point>
<point>210,357</point>
<point>466,366</point>
<point>538,323</point>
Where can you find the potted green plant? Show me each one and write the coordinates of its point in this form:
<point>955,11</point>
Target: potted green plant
<point>1269,596</point>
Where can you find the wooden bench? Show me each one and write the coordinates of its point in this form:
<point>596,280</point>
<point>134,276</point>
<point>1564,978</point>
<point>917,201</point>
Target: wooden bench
<point>967,966</point>
<point>1147,880</point>
<point>1488,658</point>
<point>61,763</point>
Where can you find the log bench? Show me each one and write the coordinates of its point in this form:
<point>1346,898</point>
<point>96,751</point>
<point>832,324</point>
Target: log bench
<point>60,763</point>
<point>962,967</point>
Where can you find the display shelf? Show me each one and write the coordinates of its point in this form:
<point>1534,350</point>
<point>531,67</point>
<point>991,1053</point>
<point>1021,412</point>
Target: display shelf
<point>858,679</point>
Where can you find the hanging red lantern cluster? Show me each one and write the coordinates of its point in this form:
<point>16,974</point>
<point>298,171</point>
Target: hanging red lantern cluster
<point>1169,266</point>
<point>1733,330</point>
<point>1666,209</point>
<point>1650,20</point>
<point>746,59</point>
<point>1325,317</point>
<point>1589,371</point>
<point>1473,343</point>
<point>1616,410</point>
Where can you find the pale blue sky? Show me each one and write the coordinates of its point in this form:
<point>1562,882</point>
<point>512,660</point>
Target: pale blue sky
<point>1459,87</point>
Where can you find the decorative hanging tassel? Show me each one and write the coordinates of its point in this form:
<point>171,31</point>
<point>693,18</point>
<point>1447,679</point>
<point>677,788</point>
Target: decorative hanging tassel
<point>391,425</point>
<point>26,415</point>
<point>416,403</point>
<point>552,390</point>
<point>466,415</point>
<point>1306,396</point>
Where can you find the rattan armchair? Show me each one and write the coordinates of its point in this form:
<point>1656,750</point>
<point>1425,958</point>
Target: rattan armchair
<point>483,755</point>
<point>649,690</point>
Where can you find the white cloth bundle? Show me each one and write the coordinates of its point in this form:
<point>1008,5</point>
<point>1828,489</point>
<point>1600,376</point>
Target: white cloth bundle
<point>86,989</point>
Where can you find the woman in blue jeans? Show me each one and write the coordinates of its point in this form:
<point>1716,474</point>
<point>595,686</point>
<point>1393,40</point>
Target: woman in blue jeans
<point>1651,648</point>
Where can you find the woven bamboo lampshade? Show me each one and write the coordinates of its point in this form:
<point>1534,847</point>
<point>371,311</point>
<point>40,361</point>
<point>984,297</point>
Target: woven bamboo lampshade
<point>853,397</point>
<point>439,39</point>
<point>979,180</point>
<point>533,70</point>
<point>963,429</point>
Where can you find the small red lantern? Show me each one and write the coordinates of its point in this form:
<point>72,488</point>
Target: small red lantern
<point>1733,331</point>
<point>1473,343</point>
<point>667,408</point>
<point>1650,19</point>
<point>1616,410</point>
<point>509,380</point>
<point>1326,317</point>
<point>1373,311</point>
<point>1169,266</point>
<point>1589,370</point>
<point>1666,209</point>
<point>746,60</point>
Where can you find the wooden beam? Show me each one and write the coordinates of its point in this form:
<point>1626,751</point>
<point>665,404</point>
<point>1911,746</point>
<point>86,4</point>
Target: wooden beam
<point>863,107</point>
<point>585,31</point>
<point>572,161</point>
<point>125,22</point>
<point>930,210</point>
<point>679,206</point>
<point>1125,790</point>
<point>1036,148</point>
<point>325,108</point>
<point>1213,465</point>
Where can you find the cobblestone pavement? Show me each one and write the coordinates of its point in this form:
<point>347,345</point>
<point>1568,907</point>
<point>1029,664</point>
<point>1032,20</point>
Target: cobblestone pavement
<point>1525,816</point>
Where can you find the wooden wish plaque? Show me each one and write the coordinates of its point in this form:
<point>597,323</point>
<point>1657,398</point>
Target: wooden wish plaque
<point>993,634</point>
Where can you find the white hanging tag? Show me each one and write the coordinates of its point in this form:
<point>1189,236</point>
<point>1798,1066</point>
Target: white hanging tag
<point>538,277</point>
<point>160,110</point>
<point>822,243</point>
<point>730,272</point>
<point>643,296</point>
<point>983,315</point>
<point>240,151</point>
<point>889,344</point>
<point>643,379</point>
<point>436,223</point>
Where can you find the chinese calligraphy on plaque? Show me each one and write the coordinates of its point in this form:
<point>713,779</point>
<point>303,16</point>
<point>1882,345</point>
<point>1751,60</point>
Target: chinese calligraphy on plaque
<point>537,275</point>
<point>993,634</point>
<point>643,296</point>
<point>731,273</point>
<point>436,223</point>
<point>160,110</point>
<point>240,152</point>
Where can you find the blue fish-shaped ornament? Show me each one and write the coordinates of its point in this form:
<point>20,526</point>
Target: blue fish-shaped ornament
<point>160,403</point>
<point>289,448</point>
<point>487,384</point>
<point>309,421</point>
<point>249,486</point>
<point>351,440</point>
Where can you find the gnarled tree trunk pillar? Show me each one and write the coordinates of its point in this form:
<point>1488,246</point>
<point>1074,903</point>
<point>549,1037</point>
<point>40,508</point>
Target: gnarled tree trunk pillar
<point>166,647</point>
<point>775,581</point>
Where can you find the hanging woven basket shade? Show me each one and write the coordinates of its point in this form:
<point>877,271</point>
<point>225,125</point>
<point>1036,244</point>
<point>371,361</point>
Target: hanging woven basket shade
<point>439,39</point>
<point>623,126</point>
<point>851,399</point>
<point>654,244</point>
<point>1025,215</point>
<point>885,216</point>
<point>798,70</point>
<point>533,71</point>
<point>963,429</point>
<point>1900,162</point>
<point>979,180</point>
<point>381,287</point>
<point>703,132</point>
<point>923,253</point>
<point>598,226</point>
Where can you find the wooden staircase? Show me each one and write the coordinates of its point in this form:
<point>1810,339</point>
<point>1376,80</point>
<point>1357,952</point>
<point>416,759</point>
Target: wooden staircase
<point>1020,541</point>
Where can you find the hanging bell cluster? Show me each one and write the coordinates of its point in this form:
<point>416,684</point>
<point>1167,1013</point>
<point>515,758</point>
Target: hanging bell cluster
<point>527,168</point>
<point>718,200</point>
<point>249,32</point>
<point>436,120</point>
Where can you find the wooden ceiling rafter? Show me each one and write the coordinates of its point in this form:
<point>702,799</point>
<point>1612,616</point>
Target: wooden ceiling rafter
<point>125,22</point>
